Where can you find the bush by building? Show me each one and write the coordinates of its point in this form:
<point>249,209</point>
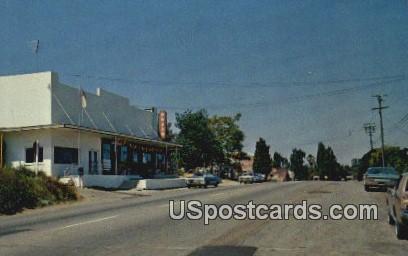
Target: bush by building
<point>21,188</point>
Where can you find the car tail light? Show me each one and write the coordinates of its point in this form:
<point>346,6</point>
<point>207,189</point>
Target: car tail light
<point>404,196</point>
<point>404,201</point>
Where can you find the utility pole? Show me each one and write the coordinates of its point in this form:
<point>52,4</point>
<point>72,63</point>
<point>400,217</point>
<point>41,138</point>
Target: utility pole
<point>1,150</point>
<point>370,130</point>
<point>380,108</point>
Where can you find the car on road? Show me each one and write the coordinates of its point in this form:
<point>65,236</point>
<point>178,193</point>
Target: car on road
<point>203,180</point>
<point>251,177</point>
<point>397,202</point>
<point>380,177</point>
<point>259,177</point>
<point>246,177</point>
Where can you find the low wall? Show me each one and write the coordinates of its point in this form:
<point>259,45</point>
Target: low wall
<point>104,181</point>
<point>152,184</point>
<point>125,182</point>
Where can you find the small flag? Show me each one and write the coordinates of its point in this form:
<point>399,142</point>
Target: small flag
<point>83,98</point>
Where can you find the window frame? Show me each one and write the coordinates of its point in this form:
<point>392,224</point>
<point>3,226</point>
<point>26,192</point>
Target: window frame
<point>74,155</point>
<point>40,155</point>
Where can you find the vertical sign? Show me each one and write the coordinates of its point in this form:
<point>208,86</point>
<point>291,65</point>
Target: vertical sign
<point>163,125</point>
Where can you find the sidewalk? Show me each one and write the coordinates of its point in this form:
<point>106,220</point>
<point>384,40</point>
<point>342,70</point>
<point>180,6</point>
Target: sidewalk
<point>134,191</point>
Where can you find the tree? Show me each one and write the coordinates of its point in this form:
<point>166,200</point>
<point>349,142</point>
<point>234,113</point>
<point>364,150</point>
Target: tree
<point>170,135</point>
<point>327,164</point>
<point>228,134</point>
<point>200,147</point>
<point>394,157</point>
<point>332,165</point>
<point>321,160</point>
<point>311,162</point>
<point>297,164</point>
<point>262,158</point>
<point>277,161</point>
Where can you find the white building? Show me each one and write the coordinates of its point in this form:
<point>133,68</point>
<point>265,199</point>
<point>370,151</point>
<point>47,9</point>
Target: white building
<point>100,132</point>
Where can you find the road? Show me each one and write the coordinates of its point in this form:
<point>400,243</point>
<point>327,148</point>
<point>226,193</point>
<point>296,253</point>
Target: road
<point>141,226</point>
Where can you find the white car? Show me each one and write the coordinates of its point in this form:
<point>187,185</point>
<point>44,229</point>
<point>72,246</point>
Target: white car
<point>203,180</point>
<point>246,177</point>
<point>251,177</point>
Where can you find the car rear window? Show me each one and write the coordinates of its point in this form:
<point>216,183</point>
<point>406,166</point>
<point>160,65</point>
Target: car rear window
<point>382,171</point>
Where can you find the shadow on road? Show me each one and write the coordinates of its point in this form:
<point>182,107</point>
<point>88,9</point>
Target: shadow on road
<point>224,251</point>
<point>11,232</point>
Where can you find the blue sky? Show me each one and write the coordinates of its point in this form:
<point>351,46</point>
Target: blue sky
<point>300,72</point>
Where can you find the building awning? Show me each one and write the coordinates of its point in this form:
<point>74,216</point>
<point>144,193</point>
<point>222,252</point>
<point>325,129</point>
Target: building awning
<point>91,130</point>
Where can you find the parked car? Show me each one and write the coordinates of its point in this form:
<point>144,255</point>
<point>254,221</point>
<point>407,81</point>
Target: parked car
<point>246,177</point>
<point>259,177</point>
<point>397,202</point>
<point>203,180</point>
<point>251,177</point>
<point>380,177</point>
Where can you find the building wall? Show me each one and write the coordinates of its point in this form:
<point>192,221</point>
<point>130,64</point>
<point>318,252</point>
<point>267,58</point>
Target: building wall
<point>40,99</point>
<point>71,138</point>
<point>17,142</point>
<point>25,100</point>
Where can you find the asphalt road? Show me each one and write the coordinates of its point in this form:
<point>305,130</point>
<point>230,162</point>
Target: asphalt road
<point>135,225</point>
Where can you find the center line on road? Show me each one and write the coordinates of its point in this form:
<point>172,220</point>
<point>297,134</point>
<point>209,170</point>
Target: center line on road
<point>218,194</point>
<point>88,222</point>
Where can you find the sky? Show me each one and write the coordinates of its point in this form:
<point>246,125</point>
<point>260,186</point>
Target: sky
<point>299,72</point>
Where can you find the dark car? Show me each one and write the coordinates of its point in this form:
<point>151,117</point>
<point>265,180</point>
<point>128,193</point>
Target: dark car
<point>380,177</point>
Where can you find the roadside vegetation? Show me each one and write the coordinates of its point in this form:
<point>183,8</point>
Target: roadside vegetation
<point>21,189</point>
<point>217,140</point>
<point>394,157</point>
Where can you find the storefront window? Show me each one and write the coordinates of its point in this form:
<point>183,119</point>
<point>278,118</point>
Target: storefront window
<point>147,158</point>
<point>160,158</point>
<point>135,157</point>
<point>106,154</point>
<point>123,153</point>
<point>64,155</point>
<point>30,155</point>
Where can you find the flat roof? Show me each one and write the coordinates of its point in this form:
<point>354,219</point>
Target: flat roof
<point>86,129</point>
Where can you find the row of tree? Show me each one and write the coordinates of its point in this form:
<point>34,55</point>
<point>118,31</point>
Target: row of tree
<point>325,165</point>
<point>217,140</point>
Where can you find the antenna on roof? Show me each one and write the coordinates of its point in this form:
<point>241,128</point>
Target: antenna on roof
<point>35,44</point>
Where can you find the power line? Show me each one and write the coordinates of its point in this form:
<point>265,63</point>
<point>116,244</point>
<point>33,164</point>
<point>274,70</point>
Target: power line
<point>219,84</point>
<point>289,100</point>
<point>398,125</point>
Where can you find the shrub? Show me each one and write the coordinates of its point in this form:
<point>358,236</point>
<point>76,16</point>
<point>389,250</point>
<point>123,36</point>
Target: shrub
<point>21,188</point>
<point>10,197</point>
<point>180,172</point>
